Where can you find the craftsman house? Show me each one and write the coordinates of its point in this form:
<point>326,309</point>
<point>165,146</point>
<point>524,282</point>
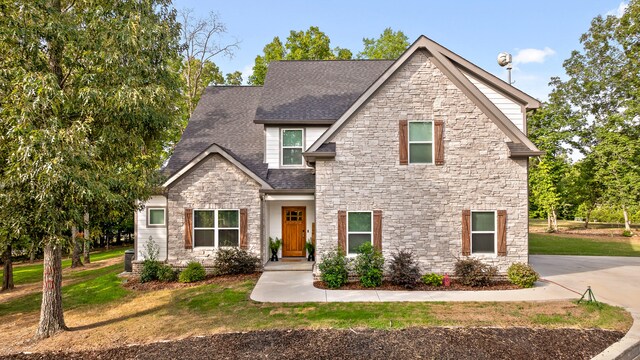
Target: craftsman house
<point>426,153</point>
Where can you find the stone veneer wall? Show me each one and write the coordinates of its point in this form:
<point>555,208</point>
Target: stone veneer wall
<point>422,203</point>
<point>215,183</point>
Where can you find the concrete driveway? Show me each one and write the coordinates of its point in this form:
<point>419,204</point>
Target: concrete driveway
<point>614,280</point>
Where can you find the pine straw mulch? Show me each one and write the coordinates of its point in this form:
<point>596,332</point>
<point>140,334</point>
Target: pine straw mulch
<point>387,285</point>
<point>134,283</point>
<point>413,343</point>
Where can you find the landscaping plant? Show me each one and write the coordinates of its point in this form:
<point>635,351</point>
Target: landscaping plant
<point>333,268</point>
<point>166,273</point>
<point>473,272</point>
<point>194,272</point>
<point>274,245</point>
<point>235,261</point>
<point>369,265</point>
<point>403,269</point>
<point>433,279</point>
<point>522,275</point>
<point>311,250</point>
<point>151,265</point>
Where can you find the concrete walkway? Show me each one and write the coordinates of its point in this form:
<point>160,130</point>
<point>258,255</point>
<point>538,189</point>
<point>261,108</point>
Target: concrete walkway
<point>614,280</point>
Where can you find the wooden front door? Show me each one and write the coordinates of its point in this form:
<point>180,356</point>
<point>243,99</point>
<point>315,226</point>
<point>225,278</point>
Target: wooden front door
<point>294,231</point>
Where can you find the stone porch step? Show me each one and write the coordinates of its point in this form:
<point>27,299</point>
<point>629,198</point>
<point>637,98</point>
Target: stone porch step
<point>289,264</point>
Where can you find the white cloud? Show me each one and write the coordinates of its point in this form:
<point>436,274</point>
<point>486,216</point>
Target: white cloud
<point>525,56</point>
<point>619,11</point>
<point>246,72</point>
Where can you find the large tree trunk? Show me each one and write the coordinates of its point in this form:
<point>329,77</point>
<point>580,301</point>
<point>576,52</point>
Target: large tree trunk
<point>87,243</point>
<point>7,278</point>
<point>76,260</point>
<point>51,314</point>
<point>627,222</point>
<point>549,227</point>
<point>555,220</point>
<point>587,218</point>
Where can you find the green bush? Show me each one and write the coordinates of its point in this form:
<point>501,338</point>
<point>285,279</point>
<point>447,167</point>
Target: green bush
<point>403,270</point>
<point>194,272</point>
<point>522,275</point>
<point>235,261</point>
<point>150,270</point>
<point>333,269</point>
<point>167,274</point>
<point>627,233</point>
<point>369,265</point>
<point>473,272</point>
<point>433,279</point>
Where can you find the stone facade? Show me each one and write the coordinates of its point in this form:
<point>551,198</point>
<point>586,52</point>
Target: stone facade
<point>214,183</point>
<point>422,203</point>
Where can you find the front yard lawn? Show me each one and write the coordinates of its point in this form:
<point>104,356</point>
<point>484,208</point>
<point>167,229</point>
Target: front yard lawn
<point>550,244</point>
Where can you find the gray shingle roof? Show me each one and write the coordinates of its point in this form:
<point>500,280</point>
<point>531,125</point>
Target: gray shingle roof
<point>291,178</point>
<point>306,91</point>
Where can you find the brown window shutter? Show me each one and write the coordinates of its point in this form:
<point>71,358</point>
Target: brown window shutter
<point>502,232</point>
<point>466,232</point>
<point>188,228</point>
<point>377,230</point>
<point>342,230</point>
<point>244,241</point>
<point>403,136</point>
<point>438,137</point>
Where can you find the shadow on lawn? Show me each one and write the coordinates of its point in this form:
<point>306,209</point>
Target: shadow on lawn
<point>118,319</point>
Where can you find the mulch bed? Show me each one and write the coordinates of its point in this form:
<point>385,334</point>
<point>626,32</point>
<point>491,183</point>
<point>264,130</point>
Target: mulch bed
<point>135,284</point>
<point>387,285</point>
<point>414,343</point>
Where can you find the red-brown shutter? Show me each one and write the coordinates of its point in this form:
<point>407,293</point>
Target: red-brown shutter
<point>188,228</point>
<point>403,136</point>
<point>438,137</point>
<point>466,232</point>
<point>502,233</point>
<point>342,230</point>
<point>377,230</point>
<point>244,241</point>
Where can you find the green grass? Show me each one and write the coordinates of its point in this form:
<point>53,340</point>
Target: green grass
<point>95,287</point>
<point>25,274</point>
<point>546,244</point>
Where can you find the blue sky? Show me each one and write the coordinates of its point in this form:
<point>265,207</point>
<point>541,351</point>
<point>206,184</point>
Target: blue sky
<point>539,34</point>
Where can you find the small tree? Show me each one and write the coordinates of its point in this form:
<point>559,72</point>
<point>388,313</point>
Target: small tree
<point>369,265</point>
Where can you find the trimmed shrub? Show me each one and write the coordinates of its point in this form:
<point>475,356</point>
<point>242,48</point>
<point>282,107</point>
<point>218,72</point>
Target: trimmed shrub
<point>627,233</point>
<point>333,268</point>
<point>194,272</point>
<point>235,261</point>
<point>404,269</point>
<point>369,265</point>
<point>149,271</point>
<point>522,275</point>
<point>473,272</point>
<point>433,279</point>
<point>167,274</point>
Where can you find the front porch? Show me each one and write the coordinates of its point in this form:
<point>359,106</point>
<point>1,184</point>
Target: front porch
<point>289,216</point>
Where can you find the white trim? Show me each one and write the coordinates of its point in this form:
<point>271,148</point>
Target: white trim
<point>215,149</point>
<point>358,232</point>
<point>283,197</point>
<point>282,147</point>
<point>409,142</point>
<point>215,228</point>
<point>494,232</point>
<point>164,217</point>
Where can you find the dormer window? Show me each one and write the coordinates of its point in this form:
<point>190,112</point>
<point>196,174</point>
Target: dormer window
<point>292,145</point>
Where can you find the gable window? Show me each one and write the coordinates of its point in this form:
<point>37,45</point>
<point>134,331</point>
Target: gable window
<point>421,142</point>
<point>216,228</point>
<point>483,232</point>
<point>292,147</point>
<point>359,230</point>
<point>155,217</point>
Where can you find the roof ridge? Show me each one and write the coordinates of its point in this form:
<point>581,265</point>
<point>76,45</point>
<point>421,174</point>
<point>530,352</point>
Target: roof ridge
<point>331,60</point>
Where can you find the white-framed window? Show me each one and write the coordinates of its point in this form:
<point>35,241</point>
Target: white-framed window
<point>359,230</point>
<point>156,217</point>
<point>420,142</point>
<point>216,228</point>
<point>292,146</point>
<point>483,232</point>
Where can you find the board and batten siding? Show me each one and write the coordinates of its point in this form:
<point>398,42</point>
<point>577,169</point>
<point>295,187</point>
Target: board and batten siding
<point>510,108</point>
<point>158,234</point>
<point>272,141</point>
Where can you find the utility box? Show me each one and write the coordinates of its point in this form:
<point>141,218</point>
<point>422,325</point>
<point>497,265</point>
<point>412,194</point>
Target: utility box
<point>128,259</point>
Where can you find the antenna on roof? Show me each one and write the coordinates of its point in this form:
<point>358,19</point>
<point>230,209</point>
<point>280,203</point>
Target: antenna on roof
<point>504,59</point>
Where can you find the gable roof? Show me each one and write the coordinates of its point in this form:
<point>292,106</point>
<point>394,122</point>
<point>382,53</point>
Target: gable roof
<point>314,92</point>
<point>450,64</point>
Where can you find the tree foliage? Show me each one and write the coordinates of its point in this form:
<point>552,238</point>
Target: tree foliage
<point>88,100</point>
<point>390,45</point>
